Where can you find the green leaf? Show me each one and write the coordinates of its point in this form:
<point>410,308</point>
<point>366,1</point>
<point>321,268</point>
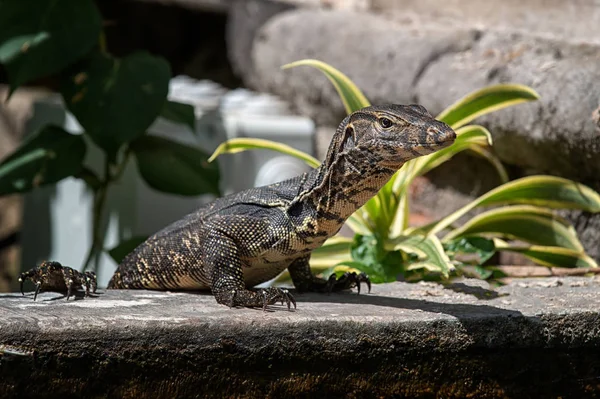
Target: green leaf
<point>399,222</point>
<point>124,248</point>
<point>484,101</point>
<point>548,255</point>
<point>233,146</point>
<point>175,168</point>
<point>547,191</point>
<point>179,113</point>
<point>541,190</point>
<point>480,246</point>
<point>41,37</point>
<point>483,273</point>
<point>428,249</point>
<point>358,224</point>
<point>46,157</point>
<point>350,95</point>
<point>334,246</point>
<point>526,223</point>
<point>381,265</point>
<point>116,100</point>
<point>333,251</point>
<point>493,274</point>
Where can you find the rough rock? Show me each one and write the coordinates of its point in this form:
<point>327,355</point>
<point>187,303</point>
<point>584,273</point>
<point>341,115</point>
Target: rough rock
<point>435,67</point>
<point>381,57</point>
<point>556,134</point>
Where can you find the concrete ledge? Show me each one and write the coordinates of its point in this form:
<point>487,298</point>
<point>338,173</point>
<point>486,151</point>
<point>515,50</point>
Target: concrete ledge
<point>534,338</point>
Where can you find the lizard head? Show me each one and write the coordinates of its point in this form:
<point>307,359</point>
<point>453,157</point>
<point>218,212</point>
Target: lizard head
<point>392,134</point>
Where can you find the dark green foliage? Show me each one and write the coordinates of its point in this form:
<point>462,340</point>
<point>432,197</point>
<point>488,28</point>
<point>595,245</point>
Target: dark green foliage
<point>114,99</point>
<point>482,247</point>
<point>384,266</point>
<point>46,157</point>
<point>41,37</point>
<point>159,159</point>
<point>179,113</point>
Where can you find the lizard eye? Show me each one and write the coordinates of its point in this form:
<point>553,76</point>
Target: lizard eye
<point>385,123</point>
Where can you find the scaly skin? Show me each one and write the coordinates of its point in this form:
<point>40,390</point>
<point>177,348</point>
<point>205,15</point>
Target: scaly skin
<point>245,239</point>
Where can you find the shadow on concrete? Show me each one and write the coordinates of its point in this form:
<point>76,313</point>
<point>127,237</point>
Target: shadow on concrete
<point>477,292</point>
<point>457,310</point>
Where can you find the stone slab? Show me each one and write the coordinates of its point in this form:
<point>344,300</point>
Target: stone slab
<point>532,338</point>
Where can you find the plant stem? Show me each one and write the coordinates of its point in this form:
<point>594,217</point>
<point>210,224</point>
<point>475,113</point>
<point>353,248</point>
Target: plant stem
<point>102,42</point>
<point>100,193</point>
<point>98,206</point>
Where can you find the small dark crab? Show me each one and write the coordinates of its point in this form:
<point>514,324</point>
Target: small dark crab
<point>52,276</point>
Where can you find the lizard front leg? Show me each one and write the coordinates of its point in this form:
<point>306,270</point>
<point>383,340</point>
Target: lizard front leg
<point>304,280</point>
<point>227,276</point>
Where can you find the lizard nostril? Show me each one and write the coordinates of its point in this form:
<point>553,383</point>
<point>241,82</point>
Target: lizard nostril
<point>441,135</point>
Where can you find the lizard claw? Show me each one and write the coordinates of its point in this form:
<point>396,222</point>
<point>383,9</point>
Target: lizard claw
<point>347,281</point>
<point>273,295</point>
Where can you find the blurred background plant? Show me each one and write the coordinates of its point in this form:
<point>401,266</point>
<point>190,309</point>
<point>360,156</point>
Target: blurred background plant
<point>114,99</point>
<point>522,220</point>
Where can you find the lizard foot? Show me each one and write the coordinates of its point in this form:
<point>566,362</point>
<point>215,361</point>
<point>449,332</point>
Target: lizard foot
<point>257,299</point>
<point>347,281</point>
<point>273,295</point>
<point>52,276</point>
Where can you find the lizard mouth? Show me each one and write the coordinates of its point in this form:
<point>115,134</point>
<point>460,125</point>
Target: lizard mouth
<point>434,145</point>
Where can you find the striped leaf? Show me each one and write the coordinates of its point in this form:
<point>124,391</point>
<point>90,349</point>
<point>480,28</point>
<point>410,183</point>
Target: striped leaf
<point>542,190</point>
<point>236,145</point>
<point>428,248</point>
<point>522,222</point>
<point>350,95</point>
<point>484,101</point>
<point>467,138</point>
<point>548,255</point>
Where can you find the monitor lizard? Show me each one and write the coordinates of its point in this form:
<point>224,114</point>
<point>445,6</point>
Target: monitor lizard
<point>239,241</point>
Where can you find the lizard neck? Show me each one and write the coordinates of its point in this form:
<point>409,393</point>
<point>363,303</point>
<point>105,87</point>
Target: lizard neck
<point>346,187</point>
<point>336,190</point>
